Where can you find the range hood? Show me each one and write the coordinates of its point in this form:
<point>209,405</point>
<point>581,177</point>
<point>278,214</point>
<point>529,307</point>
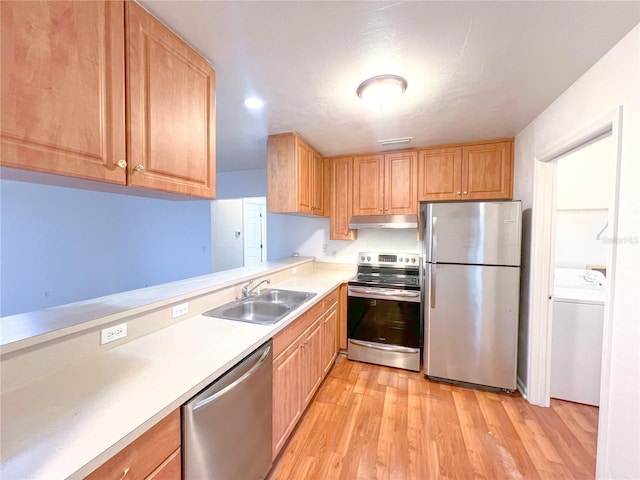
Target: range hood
<point>383,221</point>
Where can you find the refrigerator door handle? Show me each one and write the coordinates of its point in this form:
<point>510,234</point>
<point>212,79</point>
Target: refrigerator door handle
<point>434,240</point>
<point>432,284</point>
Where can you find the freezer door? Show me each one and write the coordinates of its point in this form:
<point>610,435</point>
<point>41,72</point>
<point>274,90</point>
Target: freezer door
<point>471,324</point>
<point>481,233</point>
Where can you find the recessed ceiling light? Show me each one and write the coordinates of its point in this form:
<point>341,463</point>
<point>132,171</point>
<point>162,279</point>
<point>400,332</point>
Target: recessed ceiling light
<point>253,103</point>
<point>382,89</point>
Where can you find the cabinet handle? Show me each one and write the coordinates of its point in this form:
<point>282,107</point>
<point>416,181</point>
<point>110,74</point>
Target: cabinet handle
<point>458,193</point>
<point>124,474</point>
<point>122,163</point>
<point>140,168</point>
<point>465,193</point>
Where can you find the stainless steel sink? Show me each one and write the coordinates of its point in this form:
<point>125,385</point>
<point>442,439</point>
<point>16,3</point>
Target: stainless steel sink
<point>266,308</point>
<point>289,297</point>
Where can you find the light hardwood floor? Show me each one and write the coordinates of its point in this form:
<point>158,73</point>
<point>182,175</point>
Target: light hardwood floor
<point>370,422</point>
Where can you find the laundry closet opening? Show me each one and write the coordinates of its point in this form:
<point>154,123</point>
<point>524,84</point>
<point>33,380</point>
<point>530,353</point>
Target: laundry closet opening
<point>583,190</point>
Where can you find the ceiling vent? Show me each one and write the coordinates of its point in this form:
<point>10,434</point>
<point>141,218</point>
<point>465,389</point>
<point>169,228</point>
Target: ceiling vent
<point>395,141</point>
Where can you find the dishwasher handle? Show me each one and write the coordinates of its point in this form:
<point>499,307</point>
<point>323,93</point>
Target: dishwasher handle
<point>212,398</point>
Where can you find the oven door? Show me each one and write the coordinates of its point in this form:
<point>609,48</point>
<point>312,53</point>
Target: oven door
<point>383,326</point>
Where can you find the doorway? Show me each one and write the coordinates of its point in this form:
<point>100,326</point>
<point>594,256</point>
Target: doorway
<point>238,233</point>
<point>255,231</point>
<point>579,263</point>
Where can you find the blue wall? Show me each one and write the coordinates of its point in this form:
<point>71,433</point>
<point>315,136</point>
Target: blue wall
<point>60,245</point>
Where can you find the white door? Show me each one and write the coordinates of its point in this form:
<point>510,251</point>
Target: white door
<point>255,248</point>
<point>226,235</point>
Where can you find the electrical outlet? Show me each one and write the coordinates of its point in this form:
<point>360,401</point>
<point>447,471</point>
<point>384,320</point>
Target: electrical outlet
<point>324,248</point>
<point>113,333</point>
<point>294,270</point>
<point>180,310</point>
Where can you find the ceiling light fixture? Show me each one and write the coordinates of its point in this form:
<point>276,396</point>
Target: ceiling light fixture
<point>382,89</point>
<point>253,103</point>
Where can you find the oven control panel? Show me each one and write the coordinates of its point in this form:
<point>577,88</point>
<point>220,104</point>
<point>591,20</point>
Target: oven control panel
<point>389,259</point>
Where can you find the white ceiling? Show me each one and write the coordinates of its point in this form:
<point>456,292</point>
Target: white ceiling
<point>475,70</point>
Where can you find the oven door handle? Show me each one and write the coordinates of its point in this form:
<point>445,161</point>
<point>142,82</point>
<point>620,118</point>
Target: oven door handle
<point>384,294</point>
<point>386,348</point>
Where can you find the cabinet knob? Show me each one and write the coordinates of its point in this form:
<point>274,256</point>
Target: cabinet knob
<point>140,168</point>
<point>121,163</point>
<point>465,193</point>
<point>458,193</point>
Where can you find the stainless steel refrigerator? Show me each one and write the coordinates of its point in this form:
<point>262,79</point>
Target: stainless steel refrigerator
<point>472,285</point>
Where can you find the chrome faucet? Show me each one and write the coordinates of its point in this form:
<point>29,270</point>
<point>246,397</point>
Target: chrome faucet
<point>249,292</point>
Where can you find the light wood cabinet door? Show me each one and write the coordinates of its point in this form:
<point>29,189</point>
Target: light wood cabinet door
<point>171,114</point>
<point>341,198</point>
<point>312,364</point>
<point>145,456</point>
<point>440,174</point>
<point>401,183</point>
<point>295,176</point>
<point>62,89</point>
<point>368,185</point>
<point>317,184</point>
<point>287,394</point>
<point>487,171</point>
<point>305,170</point>
<point>170,469</point>
<point>342,316</point>
<point>330,339</point>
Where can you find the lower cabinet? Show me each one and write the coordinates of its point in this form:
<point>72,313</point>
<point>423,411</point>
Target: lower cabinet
<point>342,316</point>
<point>303,354</point>
<point>154,455</point>
<point>330,331</point>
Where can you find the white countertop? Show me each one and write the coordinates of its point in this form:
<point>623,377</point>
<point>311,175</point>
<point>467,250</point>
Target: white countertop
<point>68,423</point>
<point>31,328</point>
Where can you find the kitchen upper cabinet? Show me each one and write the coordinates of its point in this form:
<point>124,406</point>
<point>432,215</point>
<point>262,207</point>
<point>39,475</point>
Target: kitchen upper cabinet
<point>64,85</point>
<point>440,174</point>
<point>171,110</point>
<point>368,185</point>
<point>470,172</point>
<point>295,176</point>
<point>317,184</point>
<point>385,184</point>
<point>63,91</point>
<point>487,171</point>
<point>340,178</point>
<point>401,183</point>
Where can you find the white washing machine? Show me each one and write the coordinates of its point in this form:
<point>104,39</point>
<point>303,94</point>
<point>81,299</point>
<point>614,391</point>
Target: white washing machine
<point>576,341</point>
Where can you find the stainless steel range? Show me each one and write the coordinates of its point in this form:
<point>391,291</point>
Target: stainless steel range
<point>383,310</point>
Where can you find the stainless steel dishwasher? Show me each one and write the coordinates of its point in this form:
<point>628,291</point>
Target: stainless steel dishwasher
<point>226,428</point>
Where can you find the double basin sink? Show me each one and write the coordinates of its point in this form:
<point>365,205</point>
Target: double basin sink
<point>266,308</point>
